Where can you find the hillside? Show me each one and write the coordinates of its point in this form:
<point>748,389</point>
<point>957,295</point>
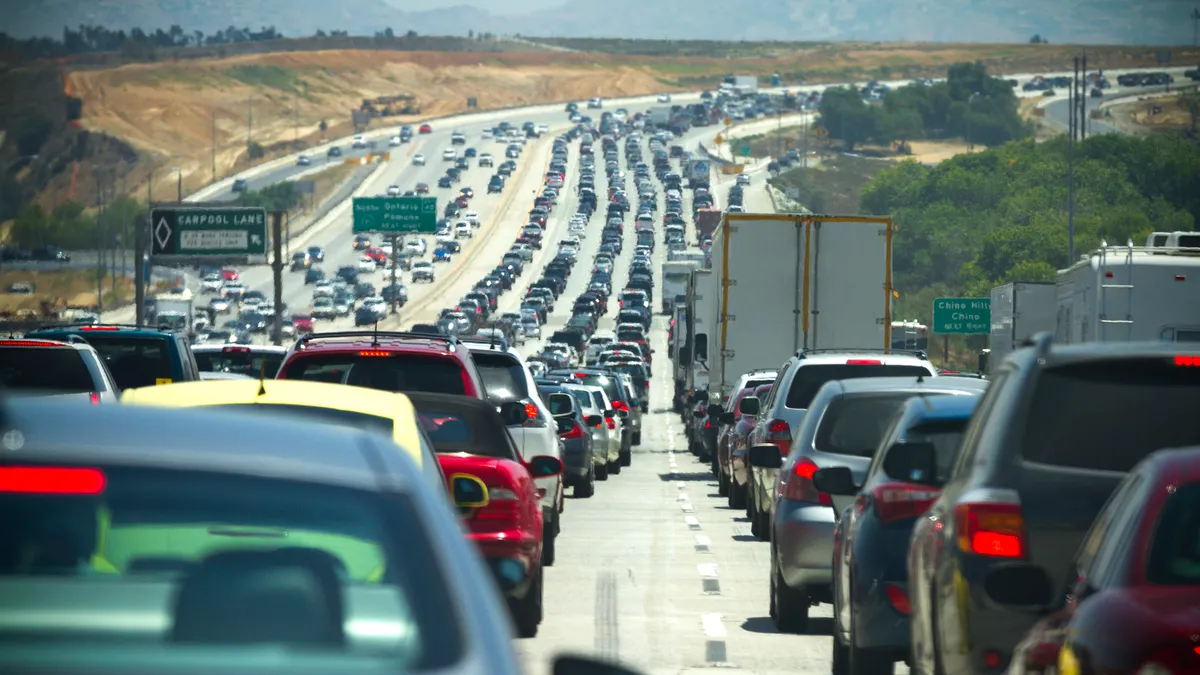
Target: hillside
<point>1094,22</point>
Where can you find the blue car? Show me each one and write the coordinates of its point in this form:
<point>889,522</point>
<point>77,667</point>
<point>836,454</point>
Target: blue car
<point>441,255</point>
<point>870,541</point>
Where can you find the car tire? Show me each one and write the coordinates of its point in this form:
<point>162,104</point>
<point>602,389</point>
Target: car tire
<point>736,496</point>
<point>549,539</point>
<point>722,483</point>
<point>637,438</point>
<point>625,458</point>
<point>840,664</point>
<point>527,612</point>
<point>614,468</point>
<point>601,471</point>
<point>866,661</point>
<point>754,517</point>
<point>715,470</point>
<point>789,607</point>
<point>587,487</point>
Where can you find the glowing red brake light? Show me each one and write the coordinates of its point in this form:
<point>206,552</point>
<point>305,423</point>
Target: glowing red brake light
<point>98,328</point>
<point>52,480</point>
<point>898,597</point>
<point>901,501</point>
<point>238,350</point>
<point>798,486</point>
<point>94,397</point>
<point>621,405</point>
<point>581,374</point>
<point>1184,360</point>
<point>864,362</point>
<point>373,352</point>
<point>991,529</point>
<point>611,423</point>
<point>30,343</point>
<point>531,411</point>
<point>575,432</point>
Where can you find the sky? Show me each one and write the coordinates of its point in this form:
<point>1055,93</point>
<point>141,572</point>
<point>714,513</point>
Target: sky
<point>499,7</point>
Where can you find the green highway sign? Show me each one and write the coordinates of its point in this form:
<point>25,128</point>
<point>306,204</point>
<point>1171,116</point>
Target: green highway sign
<point>396,215</point>
<point>968,316</point>
<point>208,231</point>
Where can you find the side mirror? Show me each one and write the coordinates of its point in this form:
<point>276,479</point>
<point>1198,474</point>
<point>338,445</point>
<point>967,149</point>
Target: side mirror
<point>765,456</point>
<point>715,410</point>
<point>700,397</point>
<point>609,414</point>
<point>912,462</point>
<point>836,480</point>
<point>581,665</point>
<point>594,420</point>
<point>699,414</point>
<point>565,423</point>
<point>467,491</point>
<point>544,466</point>
<point>728,417</point>
<point>622,413</point>
<point>748,406</point>
<point>560,404</point>
<point>653,351</point>
<point>513,413</point>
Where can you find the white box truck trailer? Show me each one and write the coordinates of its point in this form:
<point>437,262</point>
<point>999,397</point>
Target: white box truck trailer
<point>793,281</point>
<point>1133,293</point>
<point>1019,310</point>
<point>676,275</point>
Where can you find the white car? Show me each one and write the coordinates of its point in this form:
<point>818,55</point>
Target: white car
<point>360,141</point>
<point>533,329</point>
<point>366,265</point>
<point>418,159</point>
<point>417,246</point>
<point>394,141</point>
<point>422,271</point>
<point>463,229</point>
<point>472,217</point>
<point>449,154</point>
<point>386,247</point>
<point>743,179</point>
<point>393,191</point>
<point>664,98</point>
<point>323,289</point>
<point>211,283</point>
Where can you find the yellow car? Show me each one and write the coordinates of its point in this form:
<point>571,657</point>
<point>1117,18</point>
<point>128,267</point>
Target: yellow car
<point>356,407</point>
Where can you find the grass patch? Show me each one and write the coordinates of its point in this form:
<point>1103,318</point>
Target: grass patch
<point>62,288</point>
<point>833,186</point>
<point>272,77</point>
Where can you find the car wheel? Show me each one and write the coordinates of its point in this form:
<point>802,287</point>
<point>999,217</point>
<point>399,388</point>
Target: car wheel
<point>614,468</point>
<point>752,514</point>
<point>722,483</point>
<point>601,471</point>
<point>637,438</point>
<point>789,607</point>
<point>737,495</point>
<point>840,664</point>
<point>587,488</point>
<point>527,612</point>
<point>549,538</point>
<point>714,469</point>
<point>866,661</point>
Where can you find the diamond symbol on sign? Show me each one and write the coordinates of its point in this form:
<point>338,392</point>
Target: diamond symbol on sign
<point>162,233</point>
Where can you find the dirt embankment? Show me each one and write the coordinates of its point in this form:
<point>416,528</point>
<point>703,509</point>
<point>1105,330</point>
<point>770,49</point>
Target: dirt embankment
<point>180,111</point>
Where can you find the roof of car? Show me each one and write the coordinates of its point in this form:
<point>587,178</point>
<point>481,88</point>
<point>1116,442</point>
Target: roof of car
<point>916,384</point>
<point>943,407</point>
<point>253,349</point>
<point>385,340</point>
<point>222,442</point>
<point>87,329</point>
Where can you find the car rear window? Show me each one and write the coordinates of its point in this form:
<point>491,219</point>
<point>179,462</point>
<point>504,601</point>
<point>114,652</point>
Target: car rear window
<point>1175,553</point>
<point>134,361</point>
<point>854,424</point>
<point>397,371</point>
<point>59,369</point>
<point>636,371</point>
<point>453,429</point>
<point>503,377</point>
<point>242,363</point>
<point>945,435</point>
<point>150,528</point>
<point>1109,415</point>
<point>809,379</point>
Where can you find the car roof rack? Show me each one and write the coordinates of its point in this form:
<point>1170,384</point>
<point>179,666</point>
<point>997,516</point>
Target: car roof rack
<point>374,336</point>
<point>98,325</point>
<point>490,341</point>
<point>919,353</point>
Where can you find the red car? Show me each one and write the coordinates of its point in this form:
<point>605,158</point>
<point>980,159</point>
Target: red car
<point>1131,607</point>
<point>387,360</point>
<point>229,274</point>
<point>471,438</point>
<point>732,449</point>
<point>425,129</point>
<point>377,255</point>
<point>303,323</point>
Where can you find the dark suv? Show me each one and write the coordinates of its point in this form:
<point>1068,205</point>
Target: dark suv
<point>390,361</point>
<point>1055,433</point>
<point>136,357</point>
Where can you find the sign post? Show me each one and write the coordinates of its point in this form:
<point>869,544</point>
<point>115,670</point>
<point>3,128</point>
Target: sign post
<point>960,316</point>
<point>395,215</point>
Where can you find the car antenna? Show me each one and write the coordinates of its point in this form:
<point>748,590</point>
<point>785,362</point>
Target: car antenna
<point>262,379</point>
<point>920,378</point>
<point>375,334</point>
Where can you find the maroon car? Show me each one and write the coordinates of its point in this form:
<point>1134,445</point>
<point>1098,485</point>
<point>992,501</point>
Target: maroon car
<point>1130,608</point>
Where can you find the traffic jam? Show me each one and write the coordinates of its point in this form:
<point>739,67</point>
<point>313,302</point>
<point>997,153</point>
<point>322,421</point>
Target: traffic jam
<point>375,499</point>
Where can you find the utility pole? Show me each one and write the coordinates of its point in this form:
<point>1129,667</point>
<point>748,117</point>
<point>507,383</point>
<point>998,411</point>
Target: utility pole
<point>1072,124</point>
<point>214,145</point>
<point>139,273</point>
<point>179,184</point>
<point>395,264</point>
<point>1195,17</point>
<point>119,239</point>
<point>1083,118</point>
<point>277,271</point>
<point>102,226</point>
<point>249,124</point>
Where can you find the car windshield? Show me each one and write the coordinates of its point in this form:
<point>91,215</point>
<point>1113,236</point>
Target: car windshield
<point>241,362</point>
<point>854,424</point>
<point>1080,415</point>
<point>470,429</point>
<point>1175,552</point>
<point>54,369</point>
<point>397,371</point>
<point>133,361</point>
<point>162,541</point>
<point>809,379</point>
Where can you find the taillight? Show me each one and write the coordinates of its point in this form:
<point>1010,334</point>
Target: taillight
<point>780,433</point>
<point>898,597</point>
<point>533,418</point>
<point>901,501</point>
<point>574,433</point>
<point>94,397</point>
<point>611,423</point>
<point>503,504</point>
<point>52,480</point>
<point>707,424</point>
<point>993,528</point>
<point>621,405</point>
<point>798,486</point>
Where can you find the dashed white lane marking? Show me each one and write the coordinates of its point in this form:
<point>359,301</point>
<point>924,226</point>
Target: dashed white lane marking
<point>682,497</point>
<point>686,507</point>
<point>692,522</point>
<point>707,570</point>
<point>681,485</point>
<point>714,627</point>
<point>702,544</point>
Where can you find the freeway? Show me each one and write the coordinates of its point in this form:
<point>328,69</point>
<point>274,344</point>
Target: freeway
<point>1058,111</point>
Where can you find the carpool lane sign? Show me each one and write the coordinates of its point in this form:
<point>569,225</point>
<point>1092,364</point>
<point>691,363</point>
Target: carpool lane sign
<point>970,316</point>
<point>208,231</point>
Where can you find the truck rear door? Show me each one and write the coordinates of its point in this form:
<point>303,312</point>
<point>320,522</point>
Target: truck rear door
<point>848,298</point>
